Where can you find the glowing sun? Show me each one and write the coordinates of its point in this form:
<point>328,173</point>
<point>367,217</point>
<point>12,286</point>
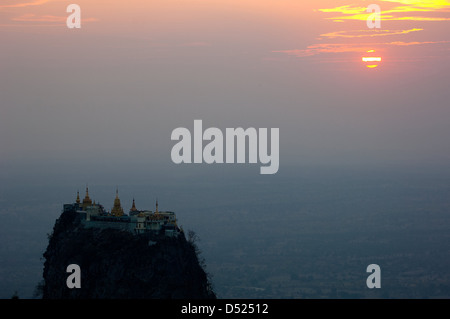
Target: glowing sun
<point>371,61</point>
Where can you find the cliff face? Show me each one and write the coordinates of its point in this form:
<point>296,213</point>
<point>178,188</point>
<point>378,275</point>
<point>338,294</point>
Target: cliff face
<point>118,264</point>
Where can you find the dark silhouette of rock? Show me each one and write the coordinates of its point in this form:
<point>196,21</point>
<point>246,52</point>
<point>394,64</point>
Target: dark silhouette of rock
<point>119,264</point>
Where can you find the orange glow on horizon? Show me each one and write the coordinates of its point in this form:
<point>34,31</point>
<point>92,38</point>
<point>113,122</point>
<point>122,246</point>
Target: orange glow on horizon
<point>372,66</point>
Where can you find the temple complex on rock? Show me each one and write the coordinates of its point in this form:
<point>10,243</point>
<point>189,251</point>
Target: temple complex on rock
<point>137,221</point>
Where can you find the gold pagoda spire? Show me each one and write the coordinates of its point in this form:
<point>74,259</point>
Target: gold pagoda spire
<point>78,197</point>
<point>133,207</point>
<point>117,210</point>
<point>156,211</point>
<point>87,201</point>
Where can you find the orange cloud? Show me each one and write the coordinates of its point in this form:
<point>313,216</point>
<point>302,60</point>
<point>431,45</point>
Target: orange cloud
<point>31,17</point>
<point>316,49</point>
<point>433,4</point>
<point>366,33</point>
<point>24,4</point>
<point>348,12</point>
<point>401,43</point>
<point>364,17</point>
<point>326,48</point>
<point>345,9</point>
<point>34,18</point>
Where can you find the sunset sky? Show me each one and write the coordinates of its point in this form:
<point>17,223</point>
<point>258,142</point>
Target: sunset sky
<point>136,70</point>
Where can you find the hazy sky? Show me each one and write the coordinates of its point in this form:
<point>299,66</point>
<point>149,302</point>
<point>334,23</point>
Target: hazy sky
<point>136,70</point>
